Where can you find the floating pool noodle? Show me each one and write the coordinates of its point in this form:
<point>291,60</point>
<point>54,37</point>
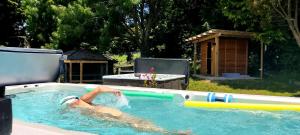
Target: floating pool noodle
<point>141,93</point>
<point>148,94</point>
<point>242,106</point>
<point>89,89</point>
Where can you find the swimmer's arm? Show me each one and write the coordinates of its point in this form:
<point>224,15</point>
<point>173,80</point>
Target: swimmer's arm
<point>110,90</point>
<point>89,97</point>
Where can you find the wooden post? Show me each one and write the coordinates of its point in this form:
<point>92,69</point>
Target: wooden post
<point>217,40</point>
<point>212,59</point>
<point>195,58</point>
<point>246,68</point>
<point>261,60</point>
<point>70,72</point>
<point>101,69</point>
<point>235,54</point>
<point>225,52</point>
<point>119,70</point>
<point>106,68</point>
<point>81,70</point>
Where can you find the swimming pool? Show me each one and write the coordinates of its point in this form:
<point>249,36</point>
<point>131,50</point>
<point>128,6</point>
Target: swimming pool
<point>41,105</point>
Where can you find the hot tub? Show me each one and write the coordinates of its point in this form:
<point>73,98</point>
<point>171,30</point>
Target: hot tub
<point>167,81</point>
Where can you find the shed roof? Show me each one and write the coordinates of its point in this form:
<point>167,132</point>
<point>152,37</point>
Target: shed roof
<point>85,55</point>
<point>219,33</point>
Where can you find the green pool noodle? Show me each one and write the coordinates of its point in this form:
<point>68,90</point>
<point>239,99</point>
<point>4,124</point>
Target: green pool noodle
<point>148,94</point>
<point>141,94</point>
<point>89,89</point>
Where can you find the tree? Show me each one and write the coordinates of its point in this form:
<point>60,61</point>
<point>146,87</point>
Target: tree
<point>262,20</point>
<point>40,21</point>
<point>140,21</point>
<point>11,20</point>
<point>159,28</point>
<point>261,17</point>
<point>287,9</point>
<point>70,24</point>
<point>183,19</point>
<point>76,26</point>
<point>88,24</point>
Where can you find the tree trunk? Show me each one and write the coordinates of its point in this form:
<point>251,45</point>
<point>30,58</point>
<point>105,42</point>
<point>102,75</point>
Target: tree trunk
<point>295,30</point>
<point>296,36</point>
<point>288,16</point>
<point>143,29</point>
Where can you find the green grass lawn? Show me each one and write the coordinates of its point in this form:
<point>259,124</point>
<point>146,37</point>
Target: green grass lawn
<point>276,86</point>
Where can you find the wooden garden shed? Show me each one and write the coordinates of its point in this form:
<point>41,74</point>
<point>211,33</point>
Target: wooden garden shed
<point>86,67</point>
<point>221,51</point>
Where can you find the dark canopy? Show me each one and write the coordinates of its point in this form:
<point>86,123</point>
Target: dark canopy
<point>86,55</point>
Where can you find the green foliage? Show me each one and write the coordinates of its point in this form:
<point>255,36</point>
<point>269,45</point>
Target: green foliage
<point>75,27</point>
<point>40,21</point>
<point>288,56</point>
<point>247,16</point>
<point>122,59</point>
<point>136,55</point>
<point>11,20</point>
<point>271,29</point>
<point>156,28</point>
<point>74,24</point>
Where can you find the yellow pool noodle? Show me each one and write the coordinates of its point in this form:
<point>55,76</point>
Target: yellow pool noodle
<point>242,106</point>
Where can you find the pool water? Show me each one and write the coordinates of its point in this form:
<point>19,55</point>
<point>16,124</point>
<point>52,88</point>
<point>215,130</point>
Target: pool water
<point>43,107</point>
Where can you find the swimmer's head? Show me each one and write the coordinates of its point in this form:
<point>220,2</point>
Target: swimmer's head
<point>68,100</point>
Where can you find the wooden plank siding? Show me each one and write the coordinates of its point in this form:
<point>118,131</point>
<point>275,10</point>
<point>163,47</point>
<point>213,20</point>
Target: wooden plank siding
<point>213,59</point>
<point>229,51</point>
<point>241,58</point>
<point>217,46</point>
<point>222,57</point>
<point>203,58</point>
<point>81,75</point>
<point>230,55</point>
<point>233,55</point>
<point>203,67</point>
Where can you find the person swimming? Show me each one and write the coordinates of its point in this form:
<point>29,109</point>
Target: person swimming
<point>84,103</point>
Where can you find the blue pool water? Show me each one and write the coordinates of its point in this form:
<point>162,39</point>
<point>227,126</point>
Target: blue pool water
<point>43,107</point>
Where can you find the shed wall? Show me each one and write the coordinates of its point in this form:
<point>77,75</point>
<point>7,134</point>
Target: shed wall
<point>92,72</point>
<point>203,54</point>
<point>204,47</point>
<point>233,55</point>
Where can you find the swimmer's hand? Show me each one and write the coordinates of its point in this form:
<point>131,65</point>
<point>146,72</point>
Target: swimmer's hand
<point>109,90</point>
<point>117,93</point>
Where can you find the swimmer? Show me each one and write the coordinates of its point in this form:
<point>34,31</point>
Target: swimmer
<point>84,103</point>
